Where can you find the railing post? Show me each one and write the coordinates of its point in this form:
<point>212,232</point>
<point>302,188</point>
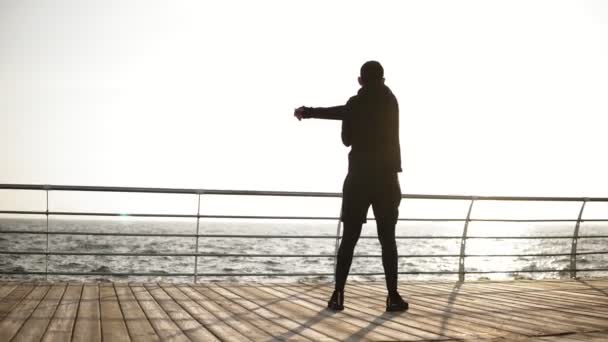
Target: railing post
<point>463,244</point>
<point>575,241</point>
<point>198,220</point>
<point>46,257</point>
<point>337,243</point>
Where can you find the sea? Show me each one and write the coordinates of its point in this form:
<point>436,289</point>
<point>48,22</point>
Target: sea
<point>424,240</point>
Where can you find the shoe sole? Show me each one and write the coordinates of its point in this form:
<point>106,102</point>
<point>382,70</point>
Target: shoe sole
<point>397,309</point>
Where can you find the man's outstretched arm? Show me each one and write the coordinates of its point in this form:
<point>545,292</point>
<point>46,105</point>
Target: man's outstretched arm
<point>329,113</point>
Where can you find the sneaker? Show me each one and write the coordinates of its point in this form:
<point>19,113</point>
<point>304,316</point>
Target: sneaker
<point>336,302</point>
<point>394,303</point>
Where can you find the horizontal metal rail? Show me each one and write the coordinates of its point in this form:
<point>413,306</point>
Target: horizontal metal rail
<point>283,193</point>
<point>199,192</point>
<point>269,255</point>
<point>259,236</point>
<point>269,217</point>
<point>286,274</point>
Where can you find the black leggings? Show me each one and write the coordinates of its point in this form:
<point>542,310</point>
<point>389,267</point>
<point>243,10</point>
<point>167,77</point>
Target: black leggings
<point>386,235</point>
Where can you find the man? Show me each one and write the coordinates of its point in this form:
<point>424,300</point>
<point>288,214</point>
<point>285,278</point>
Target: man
<point>370,125</point>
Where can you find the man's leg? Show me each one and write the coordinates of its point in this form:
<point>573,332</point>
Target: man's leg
<point>386,235</point>
<point>386,209</point>
<point>355,202</point>
<point>352,231</point>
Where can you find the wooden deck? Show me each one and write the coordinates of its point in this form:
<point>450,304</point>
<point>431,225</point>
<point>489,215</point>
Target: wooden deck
<point>573,310</point>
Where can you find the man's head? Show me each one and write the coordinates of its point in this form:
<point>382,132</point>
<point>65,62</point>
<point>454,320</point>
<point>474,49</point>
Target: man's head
<point>371,72</point>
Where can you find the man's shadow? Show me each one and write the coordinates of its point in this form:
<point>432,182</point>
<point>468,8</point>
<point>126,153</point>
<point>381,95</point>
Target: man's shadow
<point>378,321</point>
<point>318,317</point>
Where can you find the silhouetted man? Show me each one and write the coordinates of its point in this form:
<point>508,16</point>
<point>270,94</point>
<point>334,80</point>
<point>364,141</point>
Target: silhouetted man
<point>370,125</point>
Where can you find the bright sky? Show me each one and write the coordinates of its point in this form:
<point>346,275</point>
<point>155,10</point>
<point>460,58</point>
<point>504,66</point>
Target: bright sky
<point>496,97</point>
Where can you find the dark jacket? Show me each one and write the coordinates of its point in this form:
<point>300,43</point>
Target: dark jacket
<point>370,125</point>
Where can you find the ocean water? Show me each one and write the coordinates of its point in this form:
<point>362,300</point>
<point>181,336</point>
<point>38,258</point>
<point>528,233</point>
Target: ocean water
<point>513,267</point>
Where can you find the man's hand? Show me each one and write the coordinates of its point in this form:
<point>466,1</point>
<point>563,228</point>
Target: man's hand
<point>299,113</point>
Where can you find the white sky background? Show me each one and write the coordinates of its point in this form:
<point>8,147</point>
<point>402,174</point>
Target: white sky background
<point>496,97</point>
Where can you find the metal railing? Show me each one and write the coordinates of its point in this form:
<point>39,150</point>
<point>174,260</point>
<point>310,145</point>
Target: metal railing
<point>198,193</point>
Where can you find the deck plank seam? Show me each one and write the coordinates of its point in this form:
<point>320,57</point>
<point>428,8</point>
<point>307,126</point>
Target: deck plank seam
<point>546,303</point>
<point>276,300</point>
<point>77,312</point>
<point>551,295</point>
<point>564,309</point>
<point>65,288</point>
<point>429,310</point>
<point>144,311</point>
<point>568,333</point>
<point>166,313</point>
<point>521,308</point>
<point>398,322</point>
<point>188,312</point>
<point>99,312</point>
<point>216,318</point>
<point>536,295</point>
<point>438,307</point>
<point>276,312</point>
<point>202,323</point>
<point>255,313</point>
<point>8,293</point>
<point>265,307</point>
<point>32,311</point>
<point>18,302</point>
<point>226,321</point>
<point>349,313</point>
<point>163,288</point>
<point>475,310</point>
<point>122,312</point>
<point>161,308</point>
<point>344,313</point>
<point>323,311</point>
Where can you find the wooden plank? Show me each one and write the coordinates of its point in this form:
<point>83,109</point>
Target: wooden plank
<point>438,316</point>
<point>496,307</point>
<point>165,328</point>
<point>250,323</point>
<point>578,294</point>
<point>88,324</point>
<point>206,313</point>
<point>465,312</point>
<point>530,310</point>
<point>316,315</point>
<point>302,321</point>
<point>270,328</point>
<point>567,310</point>
<point>206,318</point>
<point>34,328</point>
<point>14,297</point>
<point>416,321</point>
<point>553,297</point>
<point>139,328</point>
<point>6,288</point>
<point>277,326</point>
<point>373,311</point>
<point>113,325</point>
<point>62,324</point>
<point>15,319</point>
<point>190,326</point>
<point>560,303</point>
